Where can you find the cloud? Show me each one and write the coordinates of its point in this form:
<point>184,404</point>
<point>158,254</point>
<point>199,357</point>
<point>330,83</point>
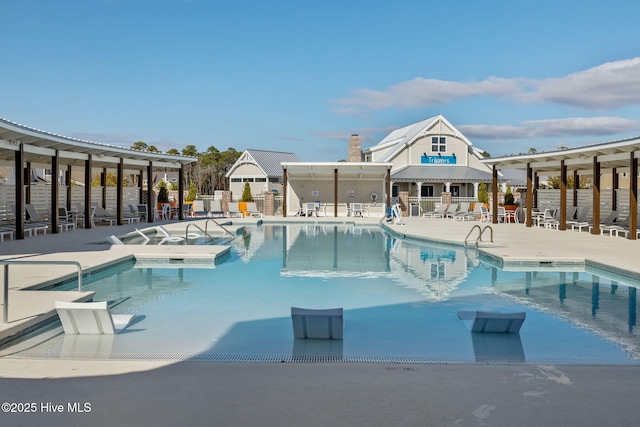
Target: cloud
<point>610,85</point>
<point>607,86</point>
<point>568,127</point>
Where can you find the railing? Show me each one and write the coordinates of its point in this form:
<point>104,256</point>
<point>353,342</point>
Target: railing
<point>5,309</point>
<point>481,232</point>
<point>427,204</point>
<point>206,224</point>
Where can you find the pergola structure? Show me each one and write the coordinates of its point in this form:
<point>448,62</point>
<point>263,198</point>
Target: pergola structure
<point>335,182</point>
<point>22,146</point>
<point>616,156</point>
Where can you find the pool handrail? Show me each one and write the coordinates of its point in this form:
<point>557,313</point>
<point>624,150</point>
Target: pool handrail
<point>206,224</point>
<point>6,263</point>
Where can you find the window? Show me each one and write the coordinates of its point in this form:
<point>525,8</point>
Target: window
<point>274,180</point>
<point>247,179</point>
<point>236,179</point>
<point>261,179</point>
<point>426,191</point>
<point>438,144</point>
<point>394,191</point>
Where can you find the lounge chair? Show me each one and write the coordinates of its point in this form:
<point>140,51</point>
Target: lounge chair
<point>583,213</point>
<point>143,212</point>
<point>252,210</point>
<point>317,324</point>
<point>462,214</point>
<point>396,215</point>
<point>198,209</point>
<point>438,209</point>
<point>101,215</point>
<point>90,318</point>
<point>65,220</point>
<point>30,227</point>
<point>451,211</point>
<point>619,227</point>
<point>610,219</point>
<point>215,209</point>
<point>491,321</point>
<point>234,210</point>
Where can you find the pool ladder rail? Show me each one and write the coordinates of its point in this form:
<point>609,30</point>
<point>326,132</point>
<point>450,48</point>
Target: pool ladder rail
<point>480,233</point>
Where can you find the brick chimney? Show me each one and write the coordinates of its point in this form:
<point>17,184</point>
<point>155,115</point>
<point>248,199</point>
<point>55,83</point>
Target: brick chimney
<point>355,151</point>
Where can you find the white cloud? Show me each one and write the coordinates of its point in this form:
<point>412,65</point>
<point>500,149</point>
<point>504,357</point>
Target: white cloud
<point>568,127</point>
<point>610,85</point>
<point>607,86</point>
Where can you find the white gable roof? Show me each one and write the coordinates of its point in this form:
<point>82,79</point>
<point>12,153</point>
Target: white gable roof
<point>404,137</point>
<point>267,161</point>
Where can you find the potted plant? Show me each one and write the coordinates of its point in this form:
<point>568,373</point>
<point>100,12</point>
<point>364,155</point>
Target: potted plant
<point>163,194</point>
<point>509,200</point>
<point>246,197</point>
<point>483,195</point>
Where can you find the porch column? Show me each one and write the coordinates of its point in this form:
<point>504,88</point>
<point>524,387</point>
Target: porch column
<point>447,187</point>
<point>419,185</point>
<point>103,182</point>
<point>335,193</point>
<point>576,185</point>
<point>388,201</point>
<point>536,185</point>
<point>140,181</point>
<point>67,182</point>
<point>633,196</point>
<point>475,190</point>
<point>596,196</point>
<point>614,187</point>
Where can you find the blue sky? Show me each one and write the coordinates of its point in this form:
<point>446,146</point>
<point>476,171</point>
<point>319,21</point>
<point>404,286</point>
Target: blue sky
<point>303,76</point>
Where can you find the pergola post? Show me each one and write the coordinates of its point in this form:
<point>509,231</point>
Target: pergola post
<point>494,189</point>
<point>88,165</point>
<point>55,190</point>
<point>576,185</point>
<point>119,189</point>
<point>596,196</point>
<point>180,192</point>
<point>19,172</point>
<point>614,186</point>
<point>103,183</point>
<point>67,182</point>
<point>529,194</point>
<point>633,196</point>
<point>151,200</point>
<point>284,193</point>
<point>563,196</point>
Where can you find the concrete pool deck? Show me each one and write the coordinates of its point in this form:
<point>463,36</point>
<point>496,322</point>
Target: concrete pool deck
<point>206,393</point>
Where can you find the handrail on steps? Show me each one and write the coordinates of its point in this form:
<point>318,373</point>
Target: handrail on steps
<point>481,232</point>
<point>6,263</point>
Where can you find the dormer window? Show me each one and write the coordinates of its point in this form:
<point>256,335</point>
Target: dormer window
<point>438,144</point>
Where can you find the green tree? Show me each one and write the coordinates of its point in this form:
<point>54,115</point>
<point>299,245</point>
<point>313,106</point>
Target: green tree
<point>193,192</point>
<point>152,149</point>
<point>173,151</point>
<point>139,145</point>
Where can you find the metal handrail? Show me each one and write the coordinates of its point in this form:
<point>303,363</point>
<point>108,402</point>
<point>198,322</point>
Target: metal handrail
<point>6,263</point>
<point>481,232</point>
<point>186,232</point>
<point>206,224</point>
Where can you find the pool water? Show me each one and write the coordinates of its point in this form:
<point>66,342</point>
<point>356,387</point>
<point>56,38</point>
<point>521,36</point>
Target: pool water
<point>400,301</point>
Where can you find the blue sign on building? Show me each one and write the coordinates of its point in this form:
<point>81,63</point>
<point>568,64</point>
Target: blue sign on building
<point>438,160</point>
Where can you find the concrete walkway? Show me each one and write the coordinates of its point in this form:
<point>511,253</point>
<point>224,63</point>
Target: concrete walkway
<point>157,393</point>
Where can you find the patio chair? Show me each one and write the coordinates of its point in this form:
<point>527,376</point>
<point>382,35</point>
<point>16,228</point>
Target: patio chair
<point>492,321</point>
<point>143,212</point>
<point>90,318</point>
<point>396,215</point>
<point>65,220</point>
<point>610,219</point>
<point>618,227</point>
<point>357,209</point>
<point>31,227</point>
<point>317,324</point>
<point>583,213</point>
<point>215,209</point>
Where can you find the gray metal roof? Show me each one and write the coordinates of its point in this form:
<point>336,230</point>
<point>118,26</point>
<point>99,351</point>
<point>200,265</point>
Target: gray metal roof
<point>430,173</point>
<point>269,161</point>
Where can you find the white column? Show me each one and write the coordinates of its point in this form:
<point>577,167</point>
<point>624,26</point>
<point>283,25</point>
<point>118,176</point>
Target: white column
<point>447,187</point>
<point>475,190</point>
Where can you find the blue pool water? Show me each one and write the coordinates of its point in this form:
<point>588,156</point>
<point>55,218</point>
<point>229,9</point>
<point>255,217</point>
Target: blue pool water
<point>400,301</point>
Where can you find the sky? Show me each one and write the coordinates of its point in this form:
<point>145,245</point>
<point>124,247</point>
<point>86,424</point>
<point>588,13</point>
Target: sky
<point>302,76</point>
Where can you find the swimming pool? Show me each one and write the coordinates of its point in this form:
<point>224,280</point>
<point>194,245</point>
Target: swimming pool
<point>400,300</point>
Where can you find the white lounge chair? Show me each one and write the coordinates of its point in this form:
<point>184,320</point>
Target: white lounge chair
<point>234,210</point>
<point>317,324</point>
<point>491,321</point>
<point>198,209</point>
<point>396,215</point>
<point>252,209</point>
<point>215,209</point>
<point>90,318</point>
